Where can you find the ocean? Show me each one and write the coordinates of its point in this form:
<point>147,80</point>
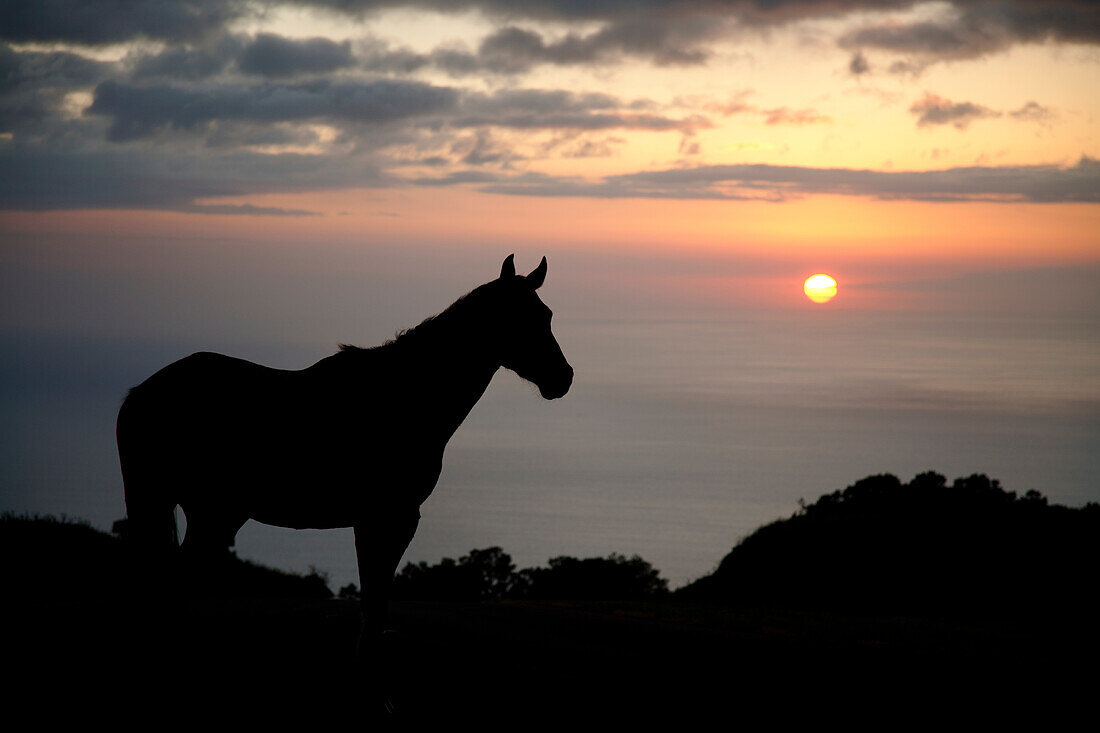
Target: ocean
<point>679,437</point>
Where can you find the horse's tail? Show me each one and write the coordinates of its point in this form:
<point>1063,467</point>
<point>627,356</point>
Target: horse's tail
<point>150,525</point>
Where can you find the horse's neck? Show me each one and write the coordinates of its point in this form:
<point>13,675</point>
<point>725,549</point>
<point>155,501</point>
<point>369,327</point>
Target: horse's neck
<point>454,370</point>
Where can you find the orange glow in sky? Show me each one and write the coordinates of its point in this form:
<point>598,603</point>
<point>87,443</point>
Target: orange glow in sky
<point>775,148</point>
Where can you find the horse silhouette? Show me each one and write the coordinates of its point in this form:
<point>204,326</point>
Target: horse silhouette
<point>355,440</point>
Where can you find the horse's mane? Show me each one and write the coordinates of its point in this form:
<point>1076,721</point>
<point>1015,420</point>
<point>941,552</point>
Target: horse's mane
<point>414,336</point>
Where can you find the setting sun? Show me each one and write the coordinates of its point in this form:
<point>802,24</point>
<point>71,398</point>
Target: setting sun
<point>820,288</point>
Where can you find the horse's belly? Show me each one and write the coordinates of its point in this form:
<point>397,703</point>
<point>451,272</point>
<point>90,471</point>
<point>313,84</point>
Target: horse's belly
<point>303,502</point>
<point>314,481</point>
<point>296,518</point>
<point>323,500</point>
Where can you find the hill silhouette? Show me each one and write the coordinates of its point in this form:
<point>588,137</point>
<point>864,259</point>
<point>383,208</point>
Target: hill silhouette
<point>872,591</point>
<point>923,546</point>
<point>46,557</point>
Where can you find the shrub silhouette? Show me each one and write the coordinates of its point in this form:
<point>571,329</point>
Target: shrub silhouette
<point>480,575</point>
<point>615,577</point>
<point>491,574</point>
<point>882,544</point>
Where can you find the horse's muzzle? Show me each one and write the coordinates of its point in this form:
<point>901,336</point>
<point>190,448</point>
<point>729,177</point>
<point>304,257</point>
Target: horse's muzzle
<point>556,387</point>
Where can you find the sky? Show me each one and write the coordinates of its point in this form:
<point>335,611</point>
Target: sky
<point>272,178</point>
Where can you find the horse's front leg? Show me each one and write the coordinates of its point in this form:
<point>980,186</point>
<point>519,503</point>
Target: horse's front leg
<point>379,544</point>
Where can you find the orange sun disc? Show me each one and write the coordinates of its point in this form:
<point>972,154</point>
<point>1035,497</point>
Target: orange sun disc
<point>820,288</point>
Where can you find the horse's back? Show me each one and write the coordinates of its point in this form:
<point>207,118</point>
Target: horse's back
<point>283,446</point>
<point>168,430</point>
<point>206,373</point>
<point>315,447</point>
<point>196,407</point>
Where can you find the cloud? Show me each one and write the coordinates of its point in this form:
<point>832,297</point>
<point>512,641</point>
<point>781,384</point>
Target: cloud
<point>935,110</point>
<point>239,209</point>
<point>275,56</point>
<point>187,63</point>
<point>168,129</point>
<point>738,105</point>
<point>167,125</point>
<point>666,31</point>
<point>574,144</point>
<point>512,50</point>
<point>587,121</point>
<point>245,135</point>
<point>271,56</point>
<point>735,105</point>
<point>1033,112</point>
<point>142,111</point>
<point>42,178</point>
<point>859,64</point>
<point>481,149</point>
<point>1079,183</point>
<point>604,148</point>
<point>784,116</point>
<point>558,10</point>
<point>375,54</point>
<point>459,177</point>
<point>34,87</point>
<point>535,109</point>
<point>173,145</point>
<point>968,29</point>
<point>610,120</point>
<point>114,21</point>
<point>941,41</point>
<point>689,147</point>
<point>47,69</point>
<point>543,101</point>
<point>749,12</point>
<point>664,41</point>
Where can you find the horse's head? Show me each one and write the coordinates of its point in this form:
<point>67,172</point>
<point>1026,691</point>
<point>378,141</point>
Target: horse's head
<point>527,346</point>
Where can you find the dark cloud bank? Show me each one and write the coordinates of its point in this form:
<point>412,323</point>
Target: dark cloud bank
<point>139,111</point>
<point>973,28</point>
<point>1036,184</point>
<point>170,127</point>
<point>130,179</point>
<point>667,31</point>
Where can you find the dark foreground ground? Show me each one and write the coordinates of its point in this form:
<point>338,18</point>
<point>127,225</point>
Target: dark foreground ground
<point>97,638</point>
<point>264,663</point>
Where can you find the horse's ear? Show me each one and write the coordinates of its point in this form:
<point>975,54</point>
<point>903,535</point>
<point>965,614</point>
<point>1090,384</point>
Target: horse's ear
<point>537,276</point>
<point>508,269</point>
